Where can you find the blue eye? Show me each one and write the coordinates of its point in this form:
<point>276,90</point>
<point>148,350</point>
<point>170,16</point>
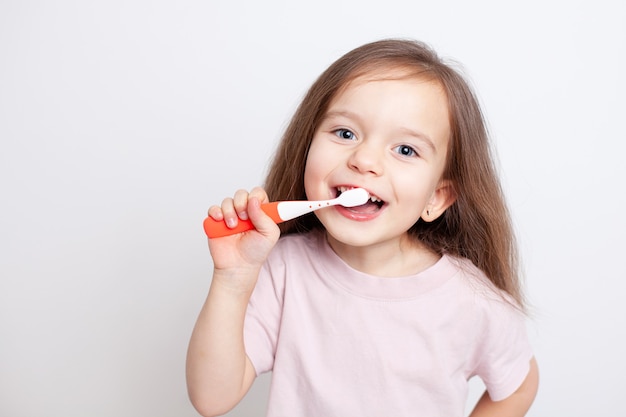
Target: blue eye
<point>345,134</point>
<point>405,150</point>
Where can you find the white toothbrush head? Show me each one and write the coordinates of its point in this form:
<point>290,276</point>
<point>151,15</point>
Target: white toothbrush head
<point>354,197</point>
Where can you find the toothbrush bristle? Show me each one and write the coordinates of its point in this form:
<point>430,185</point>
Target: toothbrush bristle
<point>354,197</point>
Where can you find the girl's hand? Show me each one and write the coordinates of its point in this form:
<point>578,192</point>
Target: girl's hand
<point>243,253</point>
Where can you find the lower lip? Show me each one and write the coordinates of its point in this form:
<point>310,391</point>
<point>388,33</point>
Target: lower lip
<point>359,217</point>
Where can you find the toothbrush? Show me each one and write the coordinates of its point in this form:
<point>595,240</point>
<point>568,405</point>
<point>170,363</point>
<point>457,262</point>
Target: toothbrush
<point>281,211</point>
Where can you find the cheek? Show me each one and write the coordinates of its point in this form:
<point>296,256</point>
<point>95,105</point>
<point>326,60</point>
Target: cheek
<point>316,166</point>
<point>312,173</point>
<point>414,187</point>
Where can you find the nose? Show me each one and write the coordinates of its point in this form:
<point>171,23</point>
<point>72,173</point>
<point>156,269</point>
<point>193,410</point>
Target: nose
<point>366,159</point>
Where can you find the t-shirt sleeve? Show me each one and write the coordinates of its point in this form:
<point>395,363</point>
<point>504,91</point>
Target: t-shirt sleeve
<point>263,316</point>
<point>504,350</point>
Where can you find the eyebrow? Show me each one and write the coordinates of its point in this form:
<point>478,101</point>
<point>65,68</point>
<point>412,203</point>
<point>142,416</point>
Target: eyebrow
<point>422,137</point>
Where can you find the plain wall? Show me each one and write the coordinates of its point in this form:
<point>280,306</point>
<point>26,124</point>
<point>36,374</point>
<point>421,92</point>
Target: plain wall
<point>121,122</point>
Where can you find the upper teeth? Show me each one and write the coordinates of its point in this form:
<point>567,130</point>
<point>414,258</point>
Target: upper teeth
<point>373,198</point>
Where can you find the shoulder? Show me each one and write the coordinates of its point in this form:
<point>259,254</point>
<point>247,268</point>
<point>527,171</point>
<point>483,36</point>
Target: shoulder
<point>498,319</point>
<point>297,244</point>
<point>478,282</point>
<point>295,250</point>
<point>293,256</point>
<point>299,240</point>
<point>491,306</point>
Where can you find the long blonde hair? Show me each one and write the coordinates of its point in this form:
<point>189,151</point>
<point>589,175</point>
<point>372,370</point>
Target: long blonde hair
<point>477,226</point>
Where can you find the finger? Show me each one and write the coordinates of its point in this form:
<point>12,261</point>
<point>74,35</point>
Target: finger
<point>229,213</point>
<point>240,201</point>
<point>260,193</point>
<point>261,221</point>
<point>215,212</point>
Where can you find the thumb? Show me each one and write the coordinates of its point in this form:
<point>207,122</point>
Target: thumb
<point>261,221</point>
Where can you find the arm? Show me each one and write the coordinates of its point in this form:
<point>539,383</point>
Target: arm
<point>218,371</point>
<point>517,404</point>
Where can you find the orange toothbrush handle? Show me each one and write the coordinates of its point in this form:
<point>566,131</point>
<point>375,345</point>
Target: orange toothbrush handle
<point>214,228</point>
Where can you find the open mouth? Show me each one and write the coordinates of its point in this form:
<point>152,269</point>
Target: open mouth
<point>374,203</point>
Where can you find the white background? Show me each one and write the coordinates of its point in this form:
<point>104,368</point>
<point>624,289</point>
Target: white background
<point>122,121</point>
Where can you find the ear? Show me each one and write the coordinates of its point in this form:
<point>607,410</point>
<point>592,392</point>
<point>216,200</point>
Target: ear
<point>443,197</point>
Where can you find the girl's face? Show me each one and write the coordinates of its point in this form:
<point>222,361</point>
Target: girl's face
<point>389,136</point>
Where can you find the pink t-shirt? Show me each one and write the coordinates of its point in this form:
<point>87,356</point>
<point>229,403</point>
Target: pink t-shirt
<point>343,343</point>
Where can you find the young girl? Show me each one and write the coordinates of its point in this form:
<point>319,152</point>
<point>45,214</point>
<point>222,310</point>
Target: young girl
<point>389,308</point>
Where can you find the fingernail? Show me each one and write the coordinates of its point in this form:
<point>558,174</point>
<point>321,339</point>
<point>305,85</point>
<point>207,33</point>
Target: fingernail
<point>231,222</point>
<point>243,215</point>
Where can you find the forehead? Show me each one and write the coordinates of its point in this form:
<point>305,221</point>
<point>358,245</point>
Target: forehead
<point>411,74</point>
<point>415,81</point>
<point>390,71</point>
